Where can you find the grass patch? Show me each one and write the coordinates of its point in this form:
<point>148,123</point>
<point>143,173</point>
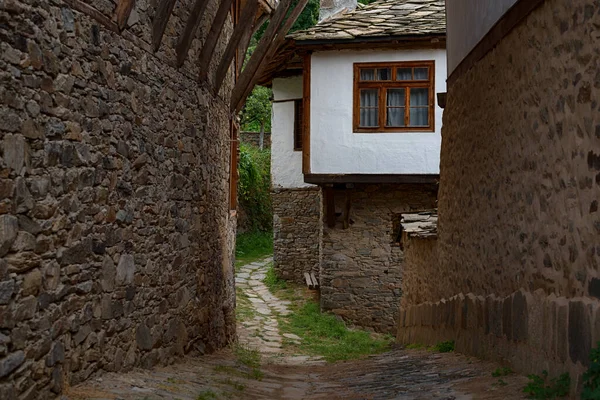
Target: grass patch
<point>444,347</point>
<point>207,395</point>
<point>244,311</point>
<point>253,246</point>
<point>502,371</point>
<point>234,384</point>
<point>248,357</point>
<point>325,335</point>
<point>273,282</point>
<point>415,346</point>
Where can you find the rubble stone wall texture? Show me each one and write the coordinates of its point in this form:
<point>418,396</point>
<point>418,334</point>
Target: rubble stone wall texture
<point>297,232</point>
<point>421,269</point>
<point>253,138</point>
<point>115,237</point>
<point>362,266</point>
<point>519,192</point>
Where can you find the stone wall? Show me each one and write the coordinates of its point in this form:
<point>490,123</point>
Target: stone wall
<point>361,268</point>
<point>297,231</point>
<point>519,191</point>
<point>253,138</point>
<point>115,237</point>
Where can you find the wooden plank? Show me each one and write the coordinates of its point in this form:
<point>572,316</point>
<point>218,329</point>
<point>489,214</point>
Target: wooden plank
<point>330,206</point>
<point>163,12</point>
<point>308,280</point>
<point>314,280</point>
<point>191,27</point>
<point>306,115</point>
<point>122,13</point>
<point>255,61</point>
<point>212,38</point>
<point>246,20</point>
<point>93,13</point>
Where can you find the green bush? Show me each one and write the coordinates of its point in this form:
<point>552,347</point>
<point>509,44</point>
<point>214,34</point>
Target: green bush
<point>444,347</point>
<point>591,378</point>
<point>254,187</point>
<point>542,388</point>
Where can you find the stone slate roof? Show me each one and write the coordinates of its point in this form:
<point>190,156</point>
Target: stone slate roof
<point>421,225</point>
<point>379,19</point>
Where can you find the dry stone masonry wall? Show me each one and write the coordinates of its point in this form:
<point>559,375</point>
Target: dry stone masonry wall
<point>115,237</point>
<point>362,266</point>
<point>297,216</point>
<point>518,209</point>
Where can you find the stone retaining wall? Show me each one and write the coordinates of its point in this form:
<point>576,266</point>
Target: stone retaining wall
<point>518,271</point>
<point>297,230</point>
<point>362,266</point>
<point>253,138</point>
<point>115,237</point>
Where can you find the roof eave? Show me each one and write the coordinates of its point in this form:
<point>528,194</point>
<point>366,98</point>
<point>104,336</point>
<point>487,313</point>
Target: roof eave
<point>384,40</point>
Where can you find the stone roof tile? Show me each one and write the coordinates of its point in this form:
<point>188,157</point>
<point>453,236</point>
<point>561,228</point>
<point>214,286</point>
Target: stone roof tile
<point>381,18</point>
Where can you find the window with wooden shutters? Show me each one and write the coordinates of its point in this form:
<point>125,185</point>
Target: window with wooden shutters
<point>298,119</point>
<point>394,97</point>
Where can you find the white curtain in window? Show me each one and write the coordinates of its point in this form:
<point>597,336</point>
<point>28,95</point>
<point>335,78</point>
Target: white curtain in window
<point>367,74</point>
<point>404,74</point>
<point>368,116</point>
<point>419,107</point>
<point>395,107</point>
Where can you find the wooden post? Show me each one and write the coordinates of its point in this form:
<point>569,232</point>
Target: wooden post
<point>329,206</point>
<point>185,39</point>
<point>163,12</point>
<point>123,10</point>
<point>213,36</point>
<point>306,115</point>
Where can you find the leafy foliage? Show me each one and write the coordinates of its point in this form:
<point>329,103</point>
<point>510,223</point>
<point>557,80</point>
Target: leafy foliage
<point>272,281</point>
<point>254,187</point>
<point>542,388</point>
<point>444,347</point>
<point>257,110</point>
<point>366,2</point>
<point>252,246</point>
<point>591,378</point>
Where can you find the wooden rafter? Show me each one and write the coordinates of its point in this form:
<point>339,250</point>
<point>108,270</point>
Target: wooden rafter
<point>163,12</point>
<point>123,10</point>
<point>244,25</point>
<point>250,74</point>
<point>212,38</point>
<point>185,40</point>
<point>245,43</point>
<point>261,50</point>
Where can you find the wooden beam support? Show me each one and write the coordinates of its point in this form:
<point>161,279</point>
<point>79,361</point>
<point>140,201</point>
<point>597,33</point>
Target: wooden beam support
<point>329,206</point>
<point>245,42</point>
<point>212,38</point>
<point>163,12</point>
<point>257,58</point>
<point>123,10</point>
<point>245,24</point>
<point>191,27</point>
<point>306,115</point>
<point>93,13</point>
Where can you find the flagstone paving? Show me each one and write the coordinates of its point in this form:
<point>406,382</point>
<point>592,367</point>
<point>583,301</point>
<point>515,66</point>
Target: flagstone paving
<point>397,374</point>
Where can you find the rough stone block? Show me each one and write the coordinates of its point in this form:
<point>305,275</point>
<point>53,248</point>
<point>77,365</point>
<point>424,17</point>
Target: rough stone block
<point>520,317</point>
<point>579,332</point>
<point>507,318</point>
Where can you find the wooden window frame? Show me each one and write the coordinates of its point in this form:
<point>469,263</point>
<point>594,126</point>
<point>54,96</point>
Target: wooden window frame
<point>382,86</point>
<point>298,124</point>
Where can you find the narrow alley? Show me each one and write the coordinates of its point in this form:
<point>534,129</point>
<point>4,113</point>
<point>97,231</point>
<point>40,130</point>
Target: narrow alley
<point>278,374</point>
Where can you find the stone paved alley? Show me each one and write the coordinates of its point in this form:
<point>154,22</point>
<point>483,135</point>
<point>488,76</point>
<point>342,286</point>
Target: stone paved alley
<point>397,374</point>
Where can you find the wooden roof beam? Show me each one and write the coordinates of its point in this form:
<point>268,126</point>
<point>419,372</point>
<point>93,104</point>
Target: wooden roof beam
<point>212,38</point>
<point>163,12</point>
<point>245,24</point>
<point>185,40</point>
<point>250,74</point>
<point>122,13</point>
<point>245,43</point>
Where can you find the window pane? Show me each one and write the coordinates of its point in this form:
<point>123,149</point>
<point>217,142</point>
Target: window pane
<point>395,117</point>
<point>419,97</point>
<point>384,74</point>
<point>422,73</point>
<point>419,116</point>
<point>367,74</point>
<point>395,97</point>
<point>404,74</point>
<point>369,107</point>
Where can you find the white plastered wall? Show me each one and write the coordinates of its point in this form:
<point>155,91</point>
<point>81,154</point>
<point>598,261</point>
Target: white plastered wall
<point>286,164</point>
<point>336,149</point>
<point>479,16</point>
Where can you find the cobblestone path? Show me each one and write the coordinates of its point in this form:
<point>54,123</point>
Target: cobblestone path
<point>397,374</point>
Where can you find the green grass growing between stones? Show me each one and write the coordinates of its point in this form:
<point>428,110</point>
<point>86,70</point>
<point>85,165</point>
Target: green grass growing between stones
<point>325,335</point>
<point>273,282</point>
<point>444,347</point>
<point>244,311</point>
<point>253,246</point>
<point>207,395</point>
